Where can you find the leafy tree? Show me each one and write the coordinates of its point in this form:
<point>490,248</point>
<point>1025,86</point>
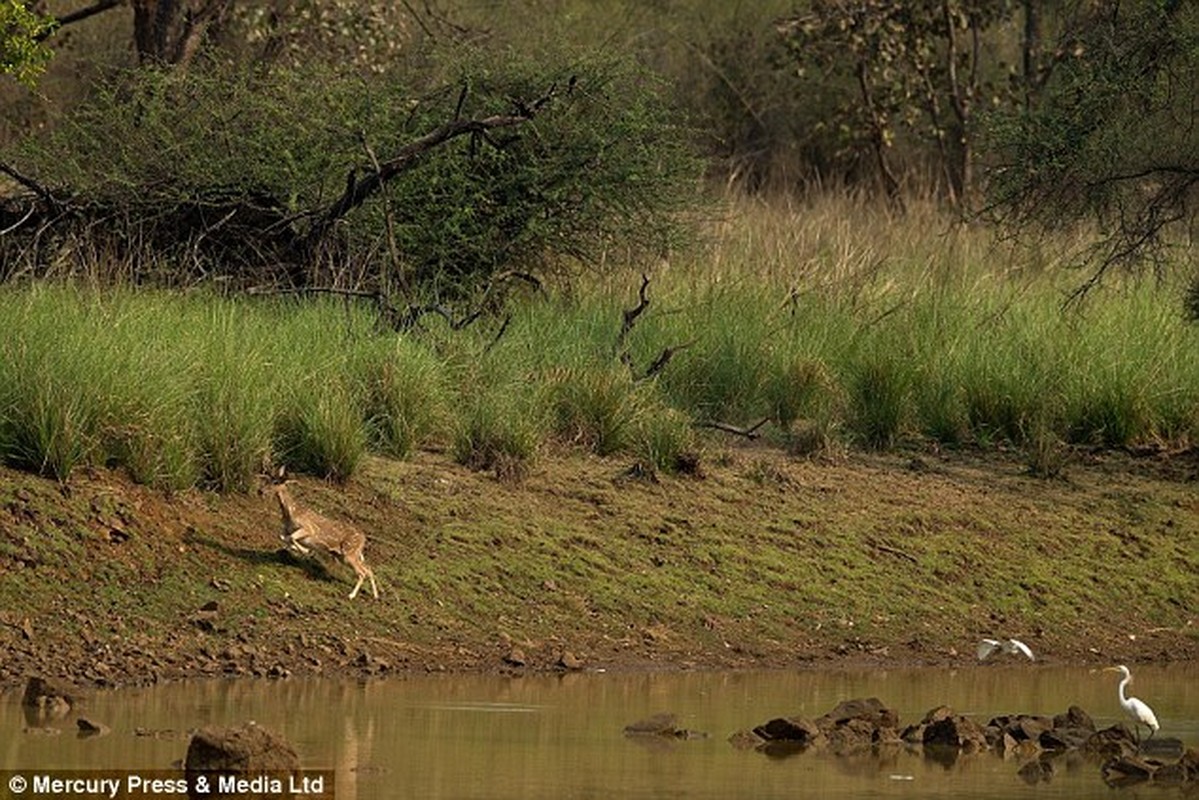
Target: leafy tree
<point>1114,137</point>
<point>918,65</point>
<point>22,52</point>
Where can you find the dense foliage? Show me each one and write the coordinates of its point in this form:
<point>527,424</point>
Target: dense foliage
<point>22,52</point>
<point>234,172</point>
<point>1114,137</point>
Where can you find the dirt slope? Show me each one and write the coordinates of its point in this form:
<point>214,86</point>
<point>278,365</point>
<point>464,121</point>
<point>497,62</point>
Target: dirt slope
<point>761,561</point>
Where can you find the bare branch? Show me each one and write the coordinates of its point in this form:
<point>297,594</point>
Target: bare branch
<point>77,16</point>
<point>498,335</point>
<point>663,359</point>
<point>31,185</point>
<point>631,315</point>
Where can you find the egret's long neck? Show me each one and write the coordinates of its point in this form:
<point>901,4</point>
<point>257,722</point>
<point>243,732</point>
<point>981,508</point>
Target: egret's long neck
<point>1124,683</point>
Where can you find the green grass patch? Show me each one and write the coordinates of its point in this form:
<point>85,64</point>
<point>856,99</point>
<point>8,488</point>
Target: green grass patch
<point>882,334</point>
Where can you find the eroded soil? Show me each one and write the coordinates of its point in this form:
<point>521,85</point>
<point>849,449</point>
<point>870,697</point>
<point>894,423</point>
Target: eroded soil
<point>760,561</point>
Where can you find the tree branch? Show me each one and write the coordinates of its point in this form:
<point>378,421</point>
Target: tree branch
<point>664,358</point>
<point>359,191</point>
<point>77,16</point>
<point>32,185</point>
<point>630,319</point>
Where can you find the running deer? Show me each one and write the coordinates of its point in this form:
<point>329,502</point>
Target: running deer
<point>304,529</point>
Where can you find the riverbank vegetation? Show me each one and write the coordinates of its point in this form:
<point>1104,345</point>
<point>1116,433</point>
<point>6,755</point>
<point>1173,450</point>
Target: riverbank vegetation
<point>482,236</point>
<point>788,323</point>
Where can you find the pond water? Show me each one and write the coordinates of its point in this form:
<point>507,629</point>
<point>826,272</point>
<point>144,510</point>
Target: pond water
<point>560,736</point>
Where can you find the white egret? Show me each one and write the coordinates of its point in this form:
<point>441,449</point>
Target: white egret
<point>1141,714</point>
<point>1010,646</point>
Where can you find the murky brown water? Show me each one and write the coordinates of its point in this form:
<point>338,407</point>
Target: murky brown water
<point>560,736</point>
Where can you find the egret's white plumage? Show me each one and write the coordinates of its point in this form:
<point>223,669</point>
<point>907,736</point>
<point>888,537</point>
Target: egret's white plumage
<point>1135,707</point>
<point>1011,646</point>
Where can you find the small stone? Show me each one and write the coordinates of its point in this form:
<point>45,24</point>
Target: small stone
<point>569,660</point>
<point>89,727</point>
<point>663,724</point>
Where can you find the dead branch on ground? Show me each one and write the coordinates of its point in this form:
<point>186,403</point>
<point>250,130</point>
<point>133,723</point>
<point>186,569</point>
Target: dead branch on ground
<point>749,433</point>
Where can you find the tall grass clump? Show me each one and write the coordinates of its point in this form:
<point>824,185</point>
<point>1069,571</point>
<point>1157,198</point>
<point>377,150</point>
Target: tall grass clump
<point>1136,364</point>
<point>320,415</point>
<point>727,332</point>
<point>796,387</point>
<point>147,425</point>
<point>86,383</point>
<point>234,398</point>
<point>500,415</point>
<point>878,390</point>
<point>498,430</point>
<point>321,432</point>
<point>406,395</point>
<point>665,439</point>
<point>47,425</point>
<point>595,408</point>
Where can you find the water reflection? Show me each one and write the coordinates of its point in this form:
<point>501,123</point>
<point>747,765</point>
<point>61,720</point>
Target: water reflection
<point>554,736</point>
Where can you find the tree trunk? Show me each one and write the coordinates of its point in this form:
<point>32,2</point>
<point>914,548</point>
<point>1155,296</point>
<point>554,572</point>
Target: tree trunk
<point>1030,49</point>
<point>171,31</point>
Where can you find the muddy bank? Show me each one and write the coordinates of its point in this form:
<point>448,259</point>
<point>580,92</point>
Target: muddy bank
<point>762,561</point>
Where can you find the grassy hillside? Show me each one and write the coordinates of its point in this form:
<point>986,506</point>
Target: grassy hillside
<point>761,561</point>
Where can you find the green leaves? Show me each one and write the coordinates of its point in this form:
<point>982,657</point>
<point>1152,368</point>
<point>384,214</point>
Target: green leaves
<point>916,66</point>
<point>22,53</point>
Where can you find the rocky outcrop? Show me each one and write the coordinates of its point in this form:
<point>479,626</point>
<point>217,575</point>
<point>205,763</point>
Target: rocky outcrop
<point>942,727</point>
<point>1126,762</point>
<point>790,729</point>
<point>1038,742</point>
<point>1029,733</point>
<point>957,732</point>
<point>851,726</point>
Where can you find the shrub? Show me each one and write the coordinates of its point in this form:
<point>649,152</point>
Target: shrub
<point>234,172</point>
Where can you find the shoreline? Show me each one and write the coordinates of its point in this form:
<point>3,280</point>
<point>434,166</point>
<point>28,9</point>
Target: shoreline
<point>764,562</point>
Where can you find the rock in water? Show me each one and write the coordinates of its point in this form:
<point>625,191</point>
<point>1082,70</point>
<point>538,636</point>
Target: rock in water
<point>248,750</point>
<point>48,698</point>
